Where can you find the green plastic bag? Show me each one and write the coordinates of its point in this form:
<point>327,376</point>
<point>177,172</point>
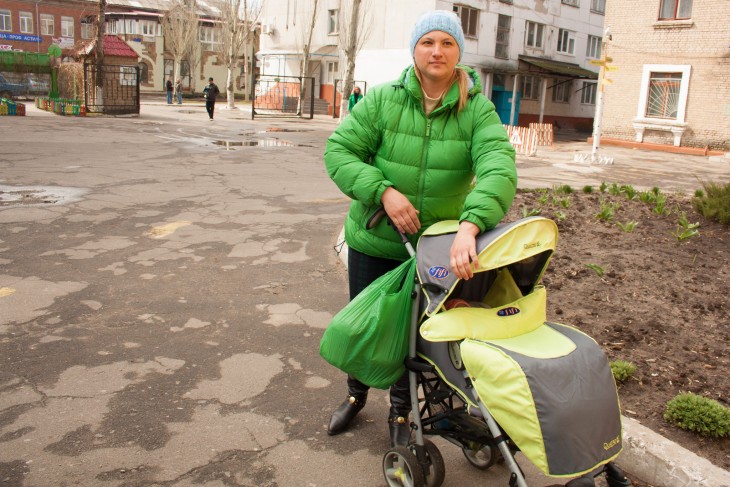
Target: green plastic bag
<point>368,338</point>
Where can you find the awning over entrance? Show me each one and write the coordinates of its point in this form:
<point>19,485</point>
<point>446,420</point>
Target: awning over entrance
<point>559,68</point>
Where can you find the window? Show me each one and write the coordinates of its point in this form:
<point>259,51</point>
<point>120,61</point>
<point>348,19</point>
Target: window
<point>502,44</point>
<point>663,99</point>
<point>530,86</point>
<point>208,38</point>
<point>561,92</point>
<point>675,9</point>
<point>6,23</point>
<point>333,24</point>
<point>26,23</point>
<point>147,28</point>
<point>67,27</point>
<point>48,25</point>
<point>593,49</point>
<point>566,41</point>
<point>534,35</point>
<point>333,68</point>
<point>588,93</point>
<point>127,75</point>
<point>87,30</point>
<point>110,27</point>
<point>469,19</point>
<point>598,6</point>
<point>572,3</point>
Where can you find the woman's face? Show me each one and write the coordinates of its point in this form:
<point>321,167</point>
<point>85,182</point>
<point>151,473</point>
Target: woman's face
<point>436,55</point>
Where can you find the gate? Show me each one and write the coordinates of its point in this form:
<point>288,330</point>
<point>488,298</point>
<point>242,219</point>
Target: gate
<point>278,96</point>
<point>120,92</point>
<point>337,97</point>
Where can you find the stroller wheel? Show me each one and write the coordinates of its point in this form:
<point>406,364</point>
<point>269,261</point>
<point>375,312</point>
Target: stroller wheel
<point>401,468</point>
<point>437,468</point>
<point>482,458</point>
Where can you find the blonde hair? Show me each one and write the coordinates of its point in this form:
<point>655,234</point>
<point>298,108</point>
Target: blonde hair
<point>461,78</point>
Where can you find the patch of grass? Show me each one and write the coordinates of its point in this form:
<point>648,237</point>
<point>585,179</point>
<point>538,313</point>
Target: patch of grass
<point>629,191</point>
<point>627,227</point>
<point>702,415</point>
<point>614,189</point>
<point>603,186</point>
<point>588,189</point>
<point>563,202</point>
<point>562,189</point>
<point>685,230</point>
<point>622,370</point>
<point>660,205</point>
<point>530,212</point>
<point>596,268</point>
<point>560,216</point>
<point>607,211</point>
<point>714,204</point>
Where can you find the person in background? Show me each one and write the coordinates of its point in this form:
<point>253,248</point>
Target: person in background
<point>210,93</point>
<point>414,147</point>
<point>168,87</point>
<point>355,97</point>
<point>178,91</point>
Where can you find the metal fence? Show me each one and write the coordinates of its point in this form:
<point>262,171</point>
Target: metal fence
<point>119,94</point>
<point>278,96</point>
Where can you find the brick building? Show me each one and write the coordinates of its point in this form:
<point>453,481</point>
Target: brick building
<point>672,85</point>
<point>32,26</point>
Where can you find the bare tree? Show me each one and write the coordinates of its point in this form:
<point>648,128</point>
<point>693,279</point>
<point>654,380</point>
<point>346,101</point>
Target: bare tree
<point>355,32</point>
<point>99,54</point>
<point>306,54</point>
<point>237,23</point>
<point>180,26</point>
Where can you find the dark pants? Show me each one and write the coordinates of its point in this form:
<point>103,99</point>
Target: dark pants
<point>210,106</point>
<point>362,270</point>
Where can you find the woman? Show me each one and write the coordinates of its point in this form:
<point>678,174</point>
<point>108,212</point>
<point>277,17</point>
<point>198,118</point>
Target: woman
<point>414,147</point>
<point>178,91</point>
<point>355,97</point>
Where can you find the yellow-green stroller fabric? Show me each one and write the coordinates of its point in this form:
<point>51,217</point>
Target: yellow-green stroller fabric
<point>553,393</point>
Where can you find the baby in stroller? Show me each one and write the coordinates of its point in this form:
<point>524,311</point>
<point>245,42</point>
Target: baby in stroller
<point>494,376</point>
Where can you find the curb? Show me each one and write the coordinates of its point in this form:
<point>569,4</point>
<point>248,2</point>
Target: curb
<point>647,455</point>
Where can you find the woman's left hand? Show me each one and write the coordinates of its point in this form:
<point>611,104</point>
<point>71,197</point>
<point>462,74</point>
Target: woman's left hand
<point>464,257</point>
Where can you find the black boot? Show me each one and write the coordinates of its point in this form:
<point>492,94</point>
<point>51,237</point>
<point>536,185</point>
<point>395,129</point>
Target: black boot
<point>357,396</point>
<point>400,430</point>
<point>342,416</point>
<point>400,406</point>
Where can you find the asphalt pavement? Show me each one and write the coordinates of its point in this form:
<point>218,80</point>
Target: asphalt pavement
<point>165,281</point>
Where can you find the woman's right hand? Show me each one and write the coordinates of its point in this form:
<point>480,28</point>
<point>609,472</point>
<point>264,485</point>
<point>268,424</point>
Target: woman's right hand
<point>401,212</point>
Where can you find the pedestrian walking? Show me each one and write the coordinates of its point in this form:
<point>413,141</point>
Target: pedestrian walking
<point>168,87</point>
<point>178,91</point>
<point>210,93</point>
<point>414,147</point>
<point>355,97</point>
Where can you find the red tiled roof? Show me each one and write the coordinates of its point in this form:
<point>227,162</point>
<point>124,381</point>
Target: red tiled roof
<point>115,46</point>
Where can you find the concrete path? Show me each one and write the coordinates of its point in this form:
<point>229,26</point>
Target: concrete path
<point>164,282</point>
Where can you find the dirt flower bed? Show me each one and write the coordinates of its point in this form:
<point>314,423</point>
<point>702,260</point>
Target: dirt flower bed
<point>645,296</point>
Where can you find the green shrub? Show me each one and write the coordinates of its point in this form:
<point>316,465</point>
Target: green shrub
<point>562,189</point>
<point>603,186</point>
<point>588,189</point>
<point>699,414</point>
<point>629,191</point>
<point>699,193</point>
<point>714,204</point>
<point>622,370</point>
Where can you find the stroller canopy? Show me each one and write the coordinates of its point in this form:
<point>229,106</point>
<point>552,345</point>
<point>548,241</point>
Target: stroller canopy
<point>524,245</point>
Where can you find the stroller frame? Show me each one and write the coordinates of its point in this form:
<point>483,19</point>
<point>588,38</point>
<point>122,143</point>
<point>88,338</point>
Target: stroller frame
<point>443,412</point>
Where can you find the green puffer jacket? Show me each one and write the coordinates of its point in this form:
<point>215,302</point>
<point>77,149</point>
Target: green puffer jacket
<point>388,140</point>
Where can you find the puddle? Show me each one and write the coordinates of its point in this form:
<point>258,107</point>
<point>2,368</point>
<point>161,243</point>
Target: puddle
<point>279,129</point>
<point>270,142</point>
<point>17,196</point>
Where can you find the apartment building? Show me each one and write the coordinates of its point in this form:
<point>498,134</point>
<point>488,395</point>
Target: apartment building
<point>672,85</point>
<point>33,26</point>
<point>534,56</point>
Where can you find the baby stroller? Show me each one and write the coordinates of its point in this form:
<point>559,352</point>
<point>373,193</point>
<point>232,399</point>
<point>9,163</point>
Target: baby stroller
<point>497,378</point>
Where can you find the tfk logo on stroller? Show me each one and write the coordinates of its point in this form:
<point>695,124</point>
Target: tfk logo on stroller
<point>509,311</point>
<point>438,272</point>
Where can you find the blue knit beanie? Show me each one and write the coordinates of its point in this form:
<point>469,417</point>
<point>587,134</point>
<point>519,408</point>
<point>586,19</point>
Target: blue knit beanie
<point>441,20</point>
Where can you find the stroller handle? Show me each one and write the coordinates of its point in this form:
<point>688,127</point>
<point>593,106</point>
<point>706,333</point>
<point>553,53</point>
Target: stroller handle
<point>375,219</point>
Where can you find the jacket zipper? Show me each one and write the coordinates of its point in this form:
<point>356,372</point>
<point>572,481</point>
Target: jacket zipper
<point>422,178</point>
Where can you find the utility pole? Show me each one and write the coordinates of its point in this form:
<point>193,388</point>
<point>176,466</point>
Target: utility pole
<point>602,82</point>
<point>99,60</point>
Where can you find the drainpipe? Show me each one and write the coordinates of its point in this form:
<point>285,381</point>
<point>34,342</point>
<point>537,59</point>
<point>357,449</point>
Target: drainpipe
<point>38,27</point>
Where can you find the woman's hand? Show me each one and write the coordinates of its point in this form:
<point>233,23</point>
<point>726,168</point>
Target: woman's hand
<point>401,212</point>
<point>464,251</point>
